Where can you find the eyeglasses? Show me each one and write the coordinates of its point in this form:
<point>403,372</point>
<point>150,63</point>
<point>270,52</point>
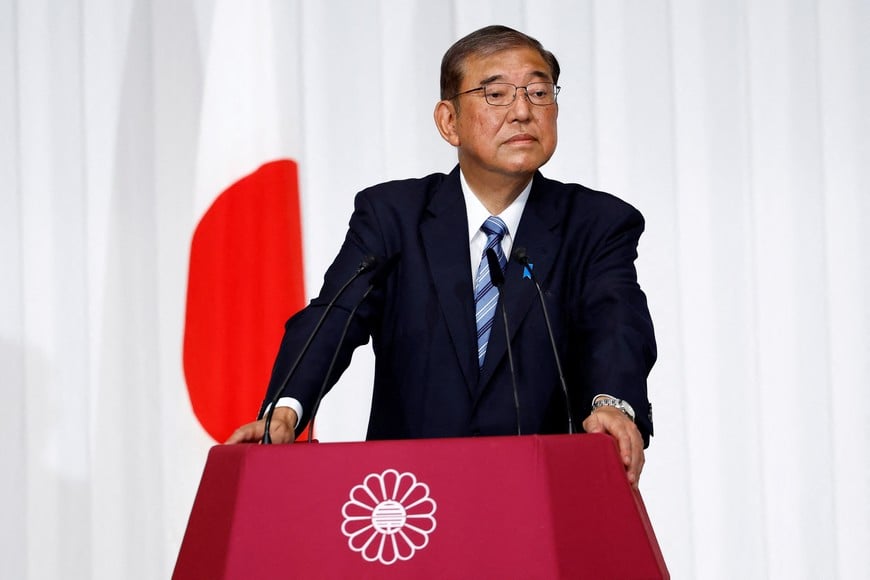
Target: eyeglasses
<point>504,94</point>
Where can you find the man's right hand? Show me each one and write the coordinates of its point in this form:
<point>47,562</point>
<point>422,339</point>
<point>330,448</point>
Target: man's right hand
<point>282,429</point>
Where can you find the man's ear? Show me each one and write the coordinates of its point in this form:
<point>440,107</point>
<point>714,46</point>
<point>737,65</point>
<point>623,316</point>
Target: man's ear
<point>445,120</point>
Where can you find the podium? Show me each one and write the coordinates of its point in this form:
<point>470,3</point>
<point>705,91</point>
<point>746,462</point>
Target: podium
<point>553,506</point>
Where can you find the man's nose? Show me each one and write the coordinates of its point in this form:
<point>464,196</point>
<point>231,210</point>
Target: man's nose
<point>521,107</point>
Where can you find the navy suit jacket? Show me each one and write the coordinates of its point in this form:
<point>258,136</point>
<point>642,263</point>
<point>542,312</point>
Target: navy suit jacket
<point>582,245</point>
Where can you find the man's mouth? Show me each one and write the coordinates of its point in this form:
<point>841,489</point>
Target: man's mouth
<point>521,138</point>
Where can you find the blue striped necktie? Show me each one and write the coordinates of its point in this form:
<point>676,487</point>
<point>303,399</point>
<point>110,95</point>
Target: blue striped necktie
<point>485,294</point>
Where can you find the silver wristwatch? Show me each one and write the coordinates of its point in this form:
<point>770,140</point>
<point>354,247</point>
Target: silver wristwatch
<point>608,401</point>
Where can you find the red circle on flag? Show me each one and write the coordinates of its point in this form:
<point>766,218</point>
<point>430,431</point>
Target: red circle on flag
<point>245,280</point>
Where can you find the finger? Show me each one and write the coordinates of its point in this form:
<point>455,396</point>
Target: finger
<point>628,442</point>
<point>237,436</point>
<point>640,464</point>
<point>618,426</point>
<point>592,425</point>
<point>249,433</point>
<point>626,447</point>
<point>637,458</point>
<point>628,439</point>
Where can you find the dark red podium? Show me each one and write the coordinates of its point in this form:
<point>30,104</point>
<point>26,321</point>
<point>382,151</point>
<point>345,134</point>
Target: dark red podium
<point>554,506</point>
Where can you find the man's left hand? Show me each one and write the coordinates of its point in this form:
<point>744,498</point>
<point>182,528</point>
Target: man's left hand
<point>619,426</point>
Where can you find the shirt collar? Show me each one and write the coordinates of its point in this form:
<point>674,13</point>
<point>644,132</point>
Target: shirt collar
<point>477,213</point>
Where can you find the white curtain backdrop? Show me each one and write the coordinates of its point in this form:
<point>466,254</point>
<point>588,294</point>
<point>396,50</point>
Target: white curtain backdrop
<point>738,127</point>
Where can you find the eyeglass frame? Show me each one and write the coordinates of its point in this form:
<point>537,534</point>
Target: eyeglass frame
<point>556,89</point>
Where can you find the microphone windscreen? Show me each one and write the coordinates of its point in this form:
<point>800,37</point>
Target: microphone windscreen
<point>367,264</point>
<point>384,270</point>
<point>520,255</point>
<point>495,272</point>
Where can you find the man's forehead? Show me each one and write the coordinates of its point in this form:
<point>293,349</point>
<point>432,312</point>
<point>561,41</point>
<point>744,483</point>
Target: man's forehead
<point>506,64</point>
<point>533,74</point>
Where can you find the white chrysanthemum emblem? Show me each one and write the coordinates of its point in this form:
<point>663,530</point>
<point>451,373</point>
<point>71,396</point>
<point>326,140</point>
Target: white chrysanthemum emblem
<point>388,517</point>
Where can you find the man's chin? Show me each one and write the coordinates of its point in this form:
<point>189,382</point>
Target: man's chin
<point>525,166</point>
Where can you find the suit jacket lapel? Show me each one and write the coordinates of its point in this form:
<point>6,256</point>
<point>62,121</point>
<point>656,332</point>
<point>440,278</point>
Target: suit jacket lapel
<point>444,232</point>
<point>538,234</point>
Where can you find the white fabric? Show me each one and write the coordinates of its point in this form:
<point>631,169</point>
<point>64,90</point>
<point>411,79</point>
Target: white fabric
<point>477,214</point>
<point>739,129</point>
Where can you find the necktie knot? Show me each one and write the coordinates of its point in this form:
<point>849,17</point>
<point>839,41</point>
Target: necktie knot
<point>494,226</point>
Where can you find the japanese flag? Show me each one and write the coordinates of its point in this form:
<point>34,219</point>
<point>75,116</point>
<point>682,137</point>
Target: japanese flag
<point>245,276</point>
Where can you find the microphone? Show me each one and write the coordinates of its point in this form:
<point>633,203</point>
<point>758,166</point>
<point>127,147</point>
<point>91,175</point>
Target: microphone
<point>520,256</point>
<point>497,277</point>
<point>376,280</point>
<point>367,264</point>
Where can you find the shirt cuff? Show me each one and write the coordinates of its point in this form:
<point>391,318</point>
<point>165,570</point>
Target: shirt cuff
<point>288,402</point>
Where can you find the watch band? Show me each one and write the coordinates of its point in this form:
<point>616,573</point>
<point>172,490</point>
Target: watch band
<point>608,401</point>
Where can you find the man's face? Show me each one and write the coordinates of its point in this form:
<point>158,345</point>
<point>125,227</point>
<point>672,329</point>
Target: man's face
<point>512,140</point>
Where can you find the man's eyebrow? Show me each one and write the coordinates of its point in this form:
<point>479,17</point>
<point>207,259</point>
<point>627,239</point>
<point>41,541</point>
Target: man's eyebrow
<point>492,79</point>
<point>501,78</point>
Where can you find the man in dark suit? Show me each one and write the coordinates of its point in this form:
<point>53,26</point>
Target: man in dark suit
<point>442,365</point>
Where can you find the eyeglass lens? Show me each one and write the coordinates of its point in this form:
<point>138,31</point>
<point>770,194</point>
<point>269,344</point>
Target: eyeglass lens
<point>501,94</point>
